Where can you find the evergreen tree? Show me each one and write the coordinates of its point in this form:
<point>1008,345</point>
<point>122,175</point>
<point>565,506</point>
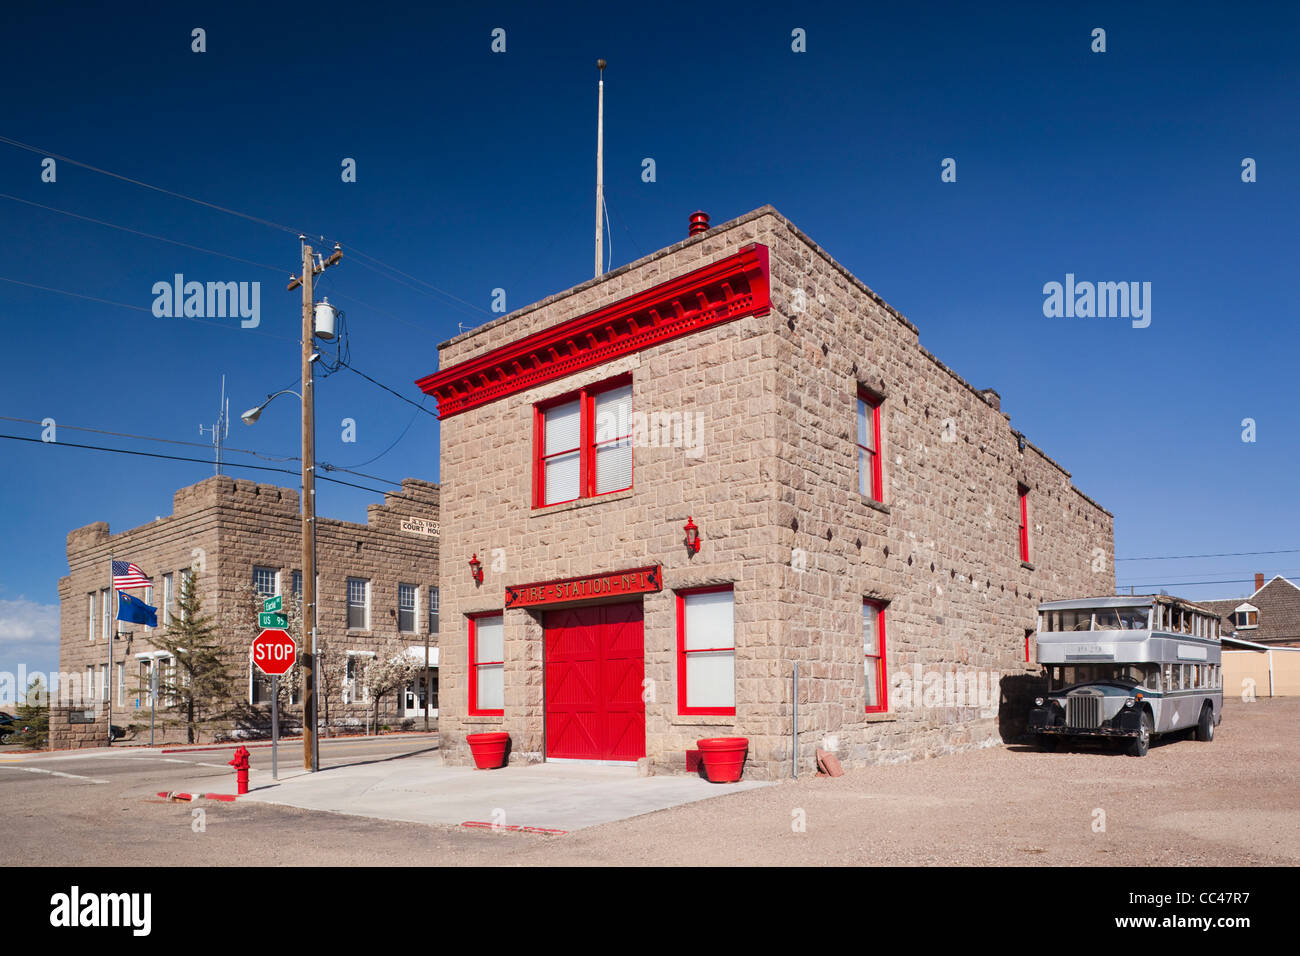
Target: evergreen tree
<point>197,686</point>
<point>33,717</point>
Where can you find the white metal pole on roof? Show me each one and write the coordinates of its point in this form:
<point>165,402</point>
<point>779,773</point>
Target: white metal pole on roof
<point>112,593</point>
<point>600,170</point>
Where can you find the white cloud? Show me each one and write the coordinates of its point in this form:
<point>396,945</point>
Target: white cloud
<point>29,625</point>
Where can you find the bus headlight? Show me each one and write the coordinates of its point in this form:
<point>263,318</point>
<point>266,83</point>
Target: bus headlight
<point>1129,702</point>
<point>1038,702</point>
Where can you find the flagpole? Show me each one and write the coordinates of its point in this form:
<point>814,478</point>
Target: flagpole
<point>112,621</point>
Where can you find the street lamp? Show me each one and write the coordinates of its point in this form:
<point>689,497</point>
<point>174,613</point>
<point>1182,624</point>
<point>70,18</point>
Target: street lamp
<point>253,414</point>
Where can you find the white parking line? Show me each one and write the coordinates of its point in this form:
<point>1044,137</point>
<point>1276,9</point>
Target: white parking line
<point>53,773</point>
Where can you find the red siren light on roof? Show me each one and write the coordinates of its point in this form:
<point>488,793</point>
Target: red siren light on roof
<point>699,223</point>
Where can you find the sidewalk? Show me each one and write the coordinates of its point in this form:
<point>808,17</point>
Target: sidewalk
<point>418,788</point>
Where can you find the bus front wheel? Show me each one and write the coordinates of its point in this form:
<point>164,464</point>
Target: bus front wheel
<point>1205,728</point>
<point>1142,742</point>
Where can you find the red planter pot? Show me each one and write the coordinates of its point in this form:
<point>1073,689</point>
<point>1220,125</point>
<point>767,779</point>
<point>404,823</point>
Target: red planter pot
<point>489,750</point>
<point>723,757</point>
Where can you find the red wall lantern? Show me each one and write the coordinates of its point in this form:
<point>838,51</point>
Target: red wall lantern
<point>476,569</point>
<point>692,536</point>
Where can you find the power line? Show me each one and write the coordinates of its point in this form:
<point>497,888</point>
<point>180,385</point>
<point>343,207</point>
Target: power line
<point>1187,584</point>
<point>146,235</point>
<point>1225,554</point>
<point>170,441</point>
<point>201,461</point>
<point>140,308</point>
<point>141,183</point>
<point>243,215</point>
<point>387,389</point>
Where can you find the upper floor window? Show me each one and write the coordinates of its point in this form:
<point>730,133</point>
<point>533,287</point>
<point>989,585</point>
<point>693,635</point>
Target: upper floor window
<point>264,582</point>
<point>869,473</point>
<point>1246,616</point>
<point>406,608</point>
<point>1024,522</point>
<point>169,598</point>
<point>90,601</point>
<point>433,610</point>
<point>358,604</point>
<point>107,596</point>
<point>583,444</point>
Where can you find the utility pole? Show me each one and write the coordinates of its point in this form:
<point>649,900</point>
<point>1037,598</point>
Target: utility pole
<point>311,267</point>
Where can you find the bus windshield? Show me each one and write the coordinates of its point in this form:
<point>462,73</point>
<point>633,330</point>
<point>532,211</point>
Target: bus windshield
<point>1099,619</point>
<point>1134,675</point>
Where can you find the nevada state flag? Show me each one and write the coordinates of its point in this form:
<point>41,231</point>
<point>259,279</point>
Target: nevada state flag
<point>135,611</point>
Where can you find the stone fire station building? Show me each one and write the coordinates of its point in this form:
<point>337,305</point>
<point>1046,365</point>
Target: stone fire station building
<point>859,510</point>
<point>377,585</point>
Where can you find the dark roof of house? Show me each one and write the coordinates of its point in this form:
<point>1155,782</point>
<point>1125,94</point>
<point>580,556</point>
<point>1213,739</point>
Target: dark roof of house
<point>1278,602</point>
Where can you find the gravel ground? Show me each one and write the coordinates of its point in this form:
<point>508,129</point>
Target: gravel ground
<point>1232,802</point>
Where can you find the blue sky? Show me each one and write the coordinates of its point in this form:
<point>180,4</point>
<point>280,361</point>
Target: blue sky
<point>474,171</point>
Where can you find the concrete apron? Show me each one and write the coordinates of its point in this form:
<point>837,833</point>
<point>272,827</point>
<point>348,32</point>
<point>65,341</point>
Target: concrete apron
<point>420,789</point>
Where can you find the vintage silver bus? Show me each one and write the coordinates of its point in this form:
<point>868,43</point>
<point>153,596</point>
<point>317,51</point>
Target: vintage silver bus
<point>1129,668</point>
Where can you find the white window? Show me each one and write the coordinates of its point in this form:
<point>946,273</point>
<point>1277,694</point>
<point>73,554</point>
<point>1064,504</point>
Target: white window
<point>561,452</point>
<point>406,608</point>
<point>358,604</point>
<point>264,582</point>
<point>613,439</point>
<point>148,599</point>
<point>187,585</point>
<point>103,682</point>
<point>169,598</point>
<point>106,632</point>
<point>90,602</point>
<point>707,644</point>
<point>354,689</point>
<point>89,694</point>
<point>433,610</point>
<point>1246,616</point>
<point>121,684</point>
<point>487,655</point>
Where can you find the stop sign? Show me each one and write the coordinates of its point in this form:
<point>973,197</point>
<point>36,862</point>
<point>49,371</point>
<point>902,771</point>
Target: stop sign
<point>274,651</point>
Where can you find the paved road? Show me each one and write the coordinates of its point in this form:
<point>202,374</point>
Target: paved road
<point>1232,802</point>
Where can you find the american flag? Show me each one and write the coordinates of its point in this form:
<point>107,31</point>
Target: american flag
<point>127,575</point>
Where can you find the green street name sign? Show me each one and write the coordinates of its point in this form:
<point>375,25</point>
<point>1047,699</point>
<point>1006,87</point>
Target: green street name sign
<point>273,603</point>
<point>265,620</point>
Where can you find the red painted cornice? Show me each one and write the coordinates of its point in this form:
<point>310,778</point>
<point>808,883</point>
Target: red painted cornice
<point>728,289</point>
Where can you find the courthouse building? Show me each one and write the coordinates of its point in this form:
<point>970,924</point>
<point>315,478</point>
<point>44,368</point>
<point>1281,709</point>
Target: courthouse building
<point>670,485</point>
<point>377,584</point>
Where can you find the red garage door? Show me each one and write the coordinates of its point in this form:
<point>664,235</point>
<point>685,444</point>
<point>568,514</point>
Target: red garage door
<point>595,662</point>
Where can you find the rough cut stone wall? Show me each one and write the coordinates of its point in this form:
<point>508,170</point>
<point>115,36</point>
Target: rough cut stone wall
<point>778,473</point>
<point>222,527</point>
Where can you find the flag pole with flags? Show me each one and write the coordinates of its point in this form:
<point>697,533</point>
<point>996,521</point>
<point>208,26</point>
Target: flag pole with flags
<point>124,576</point>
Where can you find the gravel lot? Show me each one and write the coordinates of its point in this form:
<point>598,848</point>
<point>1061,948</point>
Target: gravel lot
<point>1231,802</point>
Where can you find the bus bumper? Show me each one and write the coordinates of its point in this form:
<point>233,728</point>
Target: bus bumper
<point>1045,720</point>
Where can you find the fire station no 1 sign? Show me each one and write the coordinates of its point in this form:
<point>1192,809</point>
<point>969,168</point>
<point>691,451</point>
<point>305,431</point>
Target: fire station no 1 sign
<point>274,651</point>
<point>586,588</point>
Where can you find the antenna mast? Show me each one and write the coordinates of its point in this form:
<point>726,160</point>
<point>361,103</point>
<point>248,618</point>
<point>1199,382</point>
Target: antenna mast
<point>221,430</point>
<point>600,170</point>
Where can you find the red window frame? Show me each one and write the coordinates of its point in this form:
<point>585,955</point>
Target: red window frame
<point>682,708</point>
<point>1023,491</point>
<point>873,403</point>
<point>474,665</point>
<point>586,398</point>
<point>882,681</point>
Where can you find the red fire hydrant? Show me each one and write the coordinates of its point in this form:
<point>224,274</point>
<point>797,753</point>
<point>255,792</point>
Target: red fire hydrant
<point>240,763</point>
